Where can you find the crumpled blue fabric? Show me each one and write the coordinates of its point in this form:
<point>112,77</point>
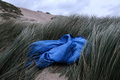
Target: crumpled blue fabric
<point>65,50</point>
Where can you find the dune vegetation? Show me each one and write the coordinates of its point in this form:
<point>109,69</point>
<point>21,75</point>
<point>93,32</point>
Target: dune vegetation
<point>100,60</point>
<point>7,7</point>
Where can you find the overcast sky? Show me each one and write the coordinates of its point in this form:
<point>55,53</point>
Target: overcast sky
<point>68,7</point>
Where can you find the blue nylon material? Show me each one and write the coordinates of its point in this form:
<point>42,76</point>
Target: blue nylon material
<point>65,50</point>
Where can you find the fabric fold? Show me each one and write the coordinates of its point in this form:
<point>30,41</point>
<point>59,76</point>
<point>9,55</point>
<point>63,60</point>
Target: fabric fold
<point>65,50</point>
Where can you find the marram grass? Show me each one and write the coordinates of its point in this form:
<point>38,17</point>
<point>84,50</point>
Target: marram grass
<point>100,60</point>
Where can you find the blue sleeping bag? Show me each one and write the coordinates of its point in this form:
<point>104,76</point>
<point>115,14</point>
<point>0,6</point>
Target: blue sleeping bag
<point>65,50</point>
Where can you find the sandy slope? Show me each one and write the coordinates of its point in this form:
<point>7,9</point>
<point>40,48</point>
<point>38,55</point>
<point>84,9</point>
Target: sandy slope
<point>36,16</point>
<point>29,15</point>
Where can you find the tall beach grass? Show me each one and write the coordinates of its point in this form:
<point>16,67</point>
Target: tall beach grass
<point>100,60</point>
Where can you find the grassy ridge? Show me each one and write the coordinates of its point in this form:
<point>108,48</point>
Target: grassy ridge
<point>7,7</point>
<point>7,16</point>
<point>99,60</point>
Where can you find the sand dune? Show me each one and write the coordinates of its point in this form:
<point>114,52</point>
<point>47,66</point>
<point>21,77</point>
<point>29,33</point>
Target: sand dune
<point>37,16</point>
<point>29,15</point>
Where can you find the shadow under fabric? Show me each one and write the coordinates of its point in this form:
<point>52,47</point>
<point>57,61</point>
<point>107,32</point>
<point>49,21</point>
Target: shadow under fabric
<point>65,50</point>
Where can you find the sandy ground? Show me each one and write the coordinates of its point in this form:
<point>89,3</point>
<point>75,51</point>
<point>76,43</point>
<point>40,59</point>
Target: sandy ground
<point>46,75</point>
<point>1,11</point>
<point>36,16</point>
